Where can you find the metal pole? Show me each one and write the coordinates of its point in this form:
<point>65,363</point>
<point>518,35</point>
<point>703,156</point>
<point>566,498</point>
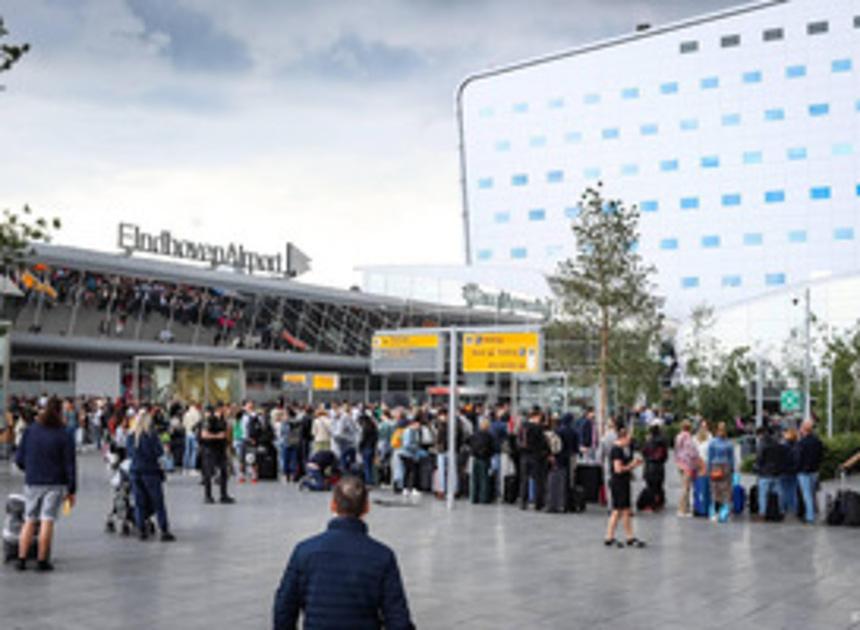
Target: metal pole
<point>807,359</point>
<point>452,418</point>
<point>759,392</point>
<point>830,403</point>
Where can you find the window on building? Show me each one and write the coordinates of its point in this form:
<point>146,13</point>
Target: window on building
<point>485,183</point>
<point>731,281</point>
<point>486,112</point>
<point>571,212</point>
<point>819,193</point>
<point>731,120</point>
<point>629,170</point>
<point>518,253</point>
<point>689,203</point>
<point>649,129</point>
<point>842,148</point>
<point>503,145</point>
<point>843,234</point>
<point>58,371</point>
<point>502,217</point>
<point>555,103</point>
<point>819,109</point>
<point>796,153</point>
<point>709,83</point>
<point>520,179</point>
<point>573,137</point>
<point>669,243</point>
<point>732,199</point>
<point>485,254</point>
<point>730,41</point>
<point>710,241</point>
<point>689,47</point>
<point>689,124</point>
<point>753,76</point>
<point>752,239</point>
<point>538,214</point>
<point>752,157</point>
<point>795,72</point>
<point>536,142</point>
<point>817,28</point>
<point>591,99</point>
<point>797,236</point>
<point>774,114</point>
<point>668,166</point>
<point>554,251</point>
<point>669,88</point>
<point>24,370</point>
<point>611,133</point>
<point>774,196</point>
<point>857,190</point>
<point>555,177</point>
<point>710,161</point>
<point>774,279</point>
<point>650,205</point>
<point>521,108</point>
<point>592,172</point>
<point>773,34</point>
<point>841,65</point>
<point>630,93</point>
<point>690,282</point>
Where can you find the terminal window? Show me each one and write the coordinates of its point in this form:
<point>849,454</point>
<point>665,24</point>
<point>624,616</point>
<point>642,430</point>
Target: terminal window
<point>752,157</point>
<point>773,34</point>
<point>730,41</point>
<point>669,243</point>
<point>710,83</point>
<point>485,254</point>
<point>795,72</point>
<point>817,28</point>
<point>841,65</point>
<point>731,281</point>
<point>752,77</point>
<point>843,234</point>
<point>752,239</point>
<point>650,206</point>
<point>519,252</point>
<point>797,236</point>
<point>819,109</point>
<point>555,177</point>
<point>669,88</point>
<point>538,214</point>
<point>537,142</point>
<point>774,279</point>
<point>774,196</point>
<point>710,161</point>
<point>689,124</point>
<point>796,153</point>
<point>689,203</point>
<point>649,129</point>
<point>689,47</point>
<point>710,241</point>
<point>690,282</point>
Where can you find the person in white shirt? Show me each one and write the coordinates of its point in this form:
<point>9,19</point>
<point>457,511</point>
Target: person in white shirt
<point>190,422</point>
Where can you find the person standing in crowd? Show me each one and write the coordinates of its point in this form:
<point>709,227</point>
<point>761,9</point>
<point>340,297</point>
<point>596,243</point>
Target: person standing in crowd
<point>702,440</point>
<point>688,462</point>
<point>321,432</point>
<point>585,433</point>
<point>145,451</point>
<point>788,479</point>
<point>411,455</point>
<point>191,423</point>
<point>483,447</point>
<point>367,446</point>
<point>213,439</point>
<point>344,431</point>
<point>534,455</point>
<point>291,441</point>
<point>383,446</point>
<point>251,431</point>
<point>603,451</point>
<point>442,453</point>
<point>770,463</point>
<point>811,451</point>
<point>71,420</point>
<point>238,441</point>
<point>622,467</point>
<point>47,457</point>
<point>566,458</point>
<point>655,452</point>
<point>721,470</point>
<point>278,422</point>
<point>343,578</point>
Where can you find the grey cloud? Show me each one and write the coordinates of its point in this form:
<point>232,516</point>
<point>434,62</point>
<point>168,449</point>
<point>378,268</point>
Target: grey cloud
<point>194,43</point>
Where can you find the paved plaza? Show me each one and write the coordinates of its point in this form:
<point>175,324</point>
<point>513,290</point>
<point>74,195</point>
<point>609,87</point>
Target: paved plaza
<point>478,567</point>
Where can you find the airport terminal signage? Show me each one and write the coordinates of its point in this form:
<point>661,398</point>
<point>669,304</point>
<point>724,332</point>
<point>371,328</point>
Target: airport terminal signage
<point>292,262</point>
<point>502,352</point>
<point>396,352</point>
<point>319,382</point>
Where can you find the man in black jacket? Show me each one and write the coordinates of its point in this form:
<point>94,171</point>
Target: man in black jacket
<point>483,447</point>
<point>534,453</point>
<point>811,452</point>
<point>771,464</point>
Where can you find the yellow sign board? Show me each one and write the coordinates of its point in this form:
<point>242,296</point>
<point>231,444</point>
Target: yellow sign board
<point>325,382</point>
<point>406,342</point>
<point>505,352</point>
<point>295,379</point>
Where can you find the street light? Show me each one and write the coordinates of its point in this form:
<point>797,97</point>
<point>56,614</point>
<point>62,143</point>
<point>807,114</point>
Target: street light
<point>807,357</point>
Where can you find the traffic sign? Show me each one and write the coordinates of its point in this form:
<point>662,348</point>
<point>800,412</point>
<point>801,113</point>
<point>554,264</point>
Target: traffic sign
<point>394,352</point>
<point>325,382</point>
<point>789,400</point>
<point>505,352</point>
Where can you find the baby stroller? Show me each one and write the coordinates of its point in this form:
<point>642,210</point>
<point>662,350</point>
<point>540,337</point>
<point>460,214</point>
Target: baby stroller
<point>15,505</point>
<point>121,514</point>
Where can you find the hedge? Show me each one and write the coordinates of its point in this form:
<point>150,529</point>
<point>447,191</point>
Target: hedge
<point>836,450</point>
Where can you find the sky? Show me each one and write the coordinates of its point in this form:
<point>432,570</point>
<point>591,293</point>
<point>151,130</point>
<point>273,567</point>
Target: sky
<point>329,124</point>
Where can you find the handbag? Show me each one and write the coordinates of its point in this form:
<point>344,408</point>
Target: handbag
<point>718,473</point>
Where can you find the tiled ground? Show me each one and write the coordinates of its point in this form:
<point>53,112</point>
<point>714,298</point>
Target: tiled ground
<point>478,567</point>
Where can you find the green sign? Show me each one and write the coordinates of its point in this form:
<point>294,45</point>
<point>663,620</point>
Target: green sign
<point>789,400</point>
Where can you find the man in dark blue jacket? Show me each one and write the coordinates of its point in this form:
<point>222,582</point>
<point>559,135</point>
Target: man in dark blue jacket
<point>343,578</point>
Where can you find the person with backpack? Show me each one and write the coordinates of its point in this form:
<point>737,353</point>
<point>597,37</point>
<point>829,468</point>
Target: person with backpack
<point>584,428</point>
<point>688,462</point>
<point>721,470</point>
<point>483,447</point>
<point>321,431</point>
<point>292,431</point>
<point>441,448</point>
<point>367,446</point>
<point>810,454</point>
<point>655,452</point>
<point>251,430</point>
<point>411,455</point>
<point>345,434</point>
<point>534,458</point>
<point>622,466</point>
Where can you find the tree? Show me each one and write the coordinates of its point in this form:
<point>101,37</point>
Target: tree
<point>842,358</point>
<point>10,54</point>
<point>606,287</point>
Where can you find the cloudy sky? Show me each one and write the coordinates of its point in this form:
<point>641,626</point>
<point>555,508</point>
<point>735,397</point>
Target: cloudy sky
<point>326,123</point>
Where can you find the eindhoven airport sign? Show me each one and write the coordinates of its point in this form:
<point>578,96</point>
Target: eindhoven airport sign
<point>290,263</point>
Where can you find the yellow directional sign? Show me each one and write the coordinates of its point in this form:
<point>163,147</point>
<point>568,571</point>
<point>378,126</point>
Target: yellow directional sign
<point>506,352</point>
<point>405,342</point>
<point>407,352</point>
<point>325,382</point>
<point>295,379</point>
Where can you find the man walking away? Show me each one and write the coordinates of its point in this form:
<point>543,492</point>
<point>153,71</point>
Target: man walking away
<point>811,451</point>
<point>214,441</point>
<point>343,578</point>
<point>533,460</point>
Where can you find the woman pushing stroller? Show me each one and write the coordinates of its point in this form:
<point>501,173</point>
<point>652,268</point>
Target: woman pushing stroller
<point>145,451</point>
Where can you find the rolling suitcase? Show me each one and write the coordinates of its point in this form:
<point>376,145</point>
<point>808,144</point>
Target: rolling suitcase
<point>556,490</point>
<point>425,474</point>
<point>511,489</point>
<point>577,500</point>
<point>267,465</point>
<point>739,499</point>
<point>773,512</point>
<point>590,478</point>
<point>753,495</point>
<point>646,500</point>
<point>701,496</point>
<point>851,508</point>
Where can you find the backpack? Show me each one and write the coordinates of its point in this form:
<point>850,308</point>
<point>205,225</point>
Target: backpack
<point>522,437</point>
<point>397,438</point>
<point>553,441</point>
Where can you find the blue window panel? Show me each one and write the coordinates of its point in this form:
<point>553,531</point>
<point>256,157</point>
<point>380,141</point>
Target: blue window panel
<point>503,145</point>
<point>669,88</point>
<point>591,99</point>
<point>634,246</point>
<point>667,166</point>
<point>857,190</point>
<point>485,254</point>
<point>689,203</point>
<point>753,76</point>
<point>711,241</point>
<point>555,177</point>
<point>819,109</point>
<point>843,148</point>
<point>611,133</point>
<point>519,253</point>
<point>571,212</point>
<point>843,234</point>
<point>857,105</point>
<point>752,239</point>
<point>709,83</point>
<point>819,193</point>
<point>669,243</point>
<point>538,214</point>
<point>485,183</point>
<point>689,282</point>
<point>649,129</point>
<point>797,236</point>
<point>537,142</point>
<point>556,103</point>
<point>841,65</point>
<point>651,205</point>
<point>593,172</point>
<point>520,179</point>
<point>753,157</point>
<point>486,112</point>
<point>795,72</point>
<point>775,114</point>
<point>774,279</point>
<point>629,94</point>
<point>573,137</point>
<point>521,108</point>
<point>796,153</point>
<point>733,199</point>
<point>731,120</point>
<point>689,124</point>
<point>774,196</point>
<point>629,170</point>
<point>731,282</point>
<point>710,161</point>
<point>502,217</point>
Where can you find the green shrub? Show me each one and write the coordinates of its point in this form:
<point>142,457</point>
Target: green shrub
<point>747,464</point>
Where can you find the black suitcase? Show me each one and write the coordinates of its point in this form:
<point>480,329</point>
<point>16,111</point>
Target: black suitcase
<point>425,474</point>
<point>646,500</point>
<point>851,508</point>
<point>556,490</point>
<point>576,501</point>
<point>267,465</point>
<point>753,497</point>
<point>511,489</point>
<point>590,477</point>
<point>773,513</point>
